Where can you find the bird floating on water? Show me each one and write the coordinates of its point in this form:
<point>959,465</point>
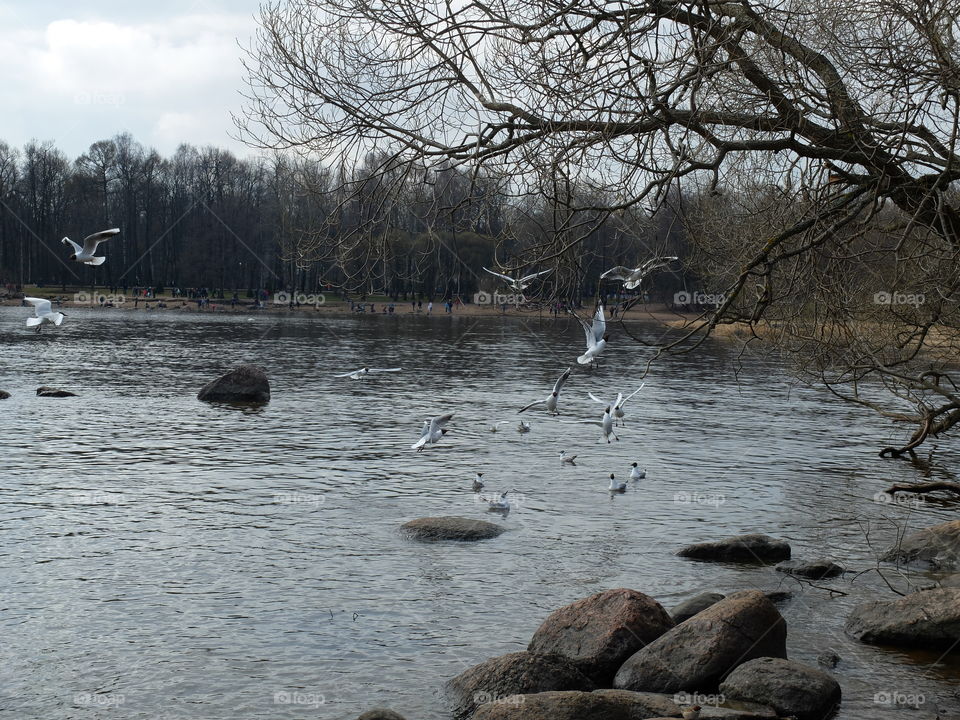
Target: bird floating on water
<point>496,426</point>
<point>432,432</point>
<point>500,505</point>
<point>43,311</point>
<point>617,404</point>
<point>519,284</point>
<point>364,371</point>
<point>567,459</point>
<point>633,277</point>
<point>551,400</point>
<point>478,483</point>
<point>596,335</point>
<point>523,428</point>
<point>637,473</point>
<point>85,254</point>
<point>616,485</point>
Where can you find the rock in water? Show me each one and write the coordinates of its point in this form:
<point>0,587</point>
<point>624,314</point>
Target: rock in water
<point>937,547</point>
<point>752,548</point>
<point>380,714</point>
<point>598,633</point>
<point>245,384</point>
<point>450,528</point>
<point>54,392</point>
<point>573,705</point>
<point>696,654</point>
<point>500,678</point>
<point>790,688</point>
<point>4,394</point>
<point>814,569</point>
<point>688,608</point>
<point>929,618</point>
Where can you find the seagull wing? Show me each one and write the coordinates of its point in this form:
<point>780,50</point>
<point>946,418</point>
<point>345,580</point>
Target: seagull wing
<point>599,327</point>
<point>90,242</point>
<point>617,273</point>
<point>624,402</point>
<point>657,262</point>
<point>42,305</point>
<point>534,276</point>
<point>348,374</point>
<point>619,400</point>
<point>596,399</point>
<point>76,248</point>
<point>384,369</point>
<point>509,279</point>
<point>442,420</point>
<point>527,407</point>
<point>561,380</point>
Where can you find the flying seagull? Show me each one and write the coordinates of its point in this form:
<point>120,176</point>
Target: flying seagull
<point>617,404</point>
<point>519,284</point>
<point>44,313</point>
<point>607,424</point>
<point>596,335</point>
<point>632,277</point>
<point>551,399</point>
<point>85,254</point>
<point>364,371</point>
<point>432,432</point>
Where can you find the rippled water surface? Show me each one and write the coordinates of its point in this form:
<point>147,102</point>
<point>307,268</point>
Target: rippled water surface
<point>164,558</point>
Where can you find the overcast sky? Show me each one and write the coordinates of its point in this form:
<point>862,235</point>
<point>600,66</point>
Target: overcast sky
<point>166,71</point>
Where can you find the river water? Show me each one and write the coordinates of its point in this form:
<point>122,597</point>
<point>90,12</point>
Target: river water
<point>163,558</point>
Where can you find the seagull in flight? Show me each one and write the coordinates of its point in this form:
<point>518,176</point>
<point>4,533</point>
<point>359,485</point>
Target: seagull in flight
<point>616,486</point>
<point>551,399</point>
<point>85,254</point>
<point>432,432</point>
<point>633,277</point>
<point>519,284</point>
<point>607,424</point>
<point>364,371</point>
<point>596,334</point>
<point>43,312</point>
<point>617,404</point>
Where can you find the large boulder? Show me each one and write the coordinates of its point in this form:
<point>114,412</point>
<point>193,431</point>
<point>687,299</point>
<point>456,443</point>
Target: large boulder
<point>380,714</point>
<point>53,392</point>
<point>572,705</point>
<point>598,633</point>
<point>690,607</point>
<point>753,548</point>
<point>936,547</point>
<point>244,384</point>
<point>813,569</point>
<point>4,394</point>
<point>499,678</point>
<point>697,654</point>
<point>450,528</point>
<point>929,618</point>
<point>789,687</point>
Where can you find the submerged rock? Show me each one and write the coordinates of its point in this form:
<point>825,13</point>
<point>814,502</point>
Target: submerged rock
<point>54,392</point>
<point>4,394</point>
<point>498,679</point>
<point>936,547</point>
<point>814,569</point>
<point>244,384</point>
<point>450,528</point>
<point>695,655</point>
<point>789,687</point>
<point>688,608</point>
<point>929,618</point>
<point>755,547</point>
<point>597,634</point>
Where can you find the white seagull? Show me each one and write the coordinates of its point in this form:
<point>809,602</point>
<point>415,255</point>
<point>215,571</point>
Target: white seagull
<point>85,254</point>
<point>496,426</point>
<point>44,313</point>
<point>364,371</point>
<point>551,399</point>
<point>617,404</point>
<point>432,432</point>
<point>596,334</point>
<point>478,482</point>
<point>616,486</point>
<point>523,428</point>
<point>567,459</point>
<point>519,284</point>
<point>501,505</point>
<point>637,473</point>
<point>607,424</point>
<point>633,277</point>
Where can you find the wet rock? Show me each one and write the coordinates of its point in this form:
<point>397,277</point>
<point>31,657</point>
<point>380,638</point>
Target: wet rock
<point>498,679</point>
<point>929,618</point>
<point>828,659</point>
<point>4,394</point>
<point>814,569</point>
<point>688,608</point>
<point>597,634</point>
<point>754,548</point>
<point>244,384</point>
<point>380,714</point>
<point>936,547</point>
<point>778,596</point>
<point>789,687</point>
<point>450,528</point>
<point>601,705</point>
<point>54,392</point>
<point>696,654</point>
